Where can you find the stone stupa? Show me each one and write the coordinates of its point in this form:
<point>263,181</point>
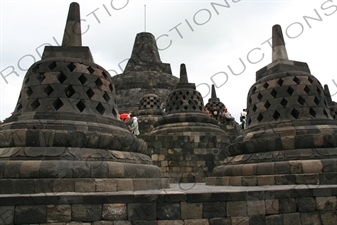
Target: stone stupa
<point>65,134</point>
<point>332,105</point>
<point>185,142</point>
<point>291,138</point>
<point>144,65</point>
<point>231,127</point>
<point>149,110</point>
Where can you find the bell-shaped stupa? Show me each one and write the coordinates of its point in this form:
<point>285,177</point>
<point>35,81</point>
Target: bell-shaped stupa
<point>214,102</point>
<point>149,111</point>
<point>185,143</point>
<point>291,137</point>
<point>144,65</point>
<point>65,134</point>
<point>332,104</point>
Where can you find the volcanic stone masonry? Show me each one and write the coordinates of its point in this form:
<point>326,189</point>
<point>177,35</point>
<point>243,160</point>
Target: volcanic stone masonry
<point>185,143</point>
<point>231,128</point>
<point>149,110</point>
<point>143,66</point>
<point>332,104</point>
<point>65,135</point>
<point>67,159</point>
<point>291,136</point>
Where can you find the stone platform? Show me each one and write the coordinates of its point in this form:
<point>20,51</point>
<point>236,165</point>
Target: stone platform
<point>182,204</point>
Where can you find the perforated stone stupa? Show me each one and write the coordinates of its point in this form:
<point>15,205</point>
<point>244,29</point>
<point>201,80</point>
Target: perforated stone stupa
<point>332,104</point>
<point>144,64</point>
<point>291,136</point>
<point>149,110</point>
<point>230,127</point>
<point>64,134</point>
<point>214,102</point>
<point>185,142</point>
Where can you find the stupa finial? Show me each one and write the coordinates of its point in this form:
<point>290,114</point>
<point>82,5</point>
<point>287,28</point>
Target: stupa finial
<point>213,94</point>
<point>183,74</point>
<point>72,32</point>
<point>278,44</point>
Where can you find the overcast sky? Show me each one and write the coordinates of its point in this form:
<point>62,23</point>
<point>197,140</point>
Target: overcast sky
<point>221,42</point>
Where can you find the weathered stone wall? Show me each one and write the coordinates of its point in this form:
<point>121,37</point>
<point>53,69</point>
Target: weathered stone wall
<point>184,205</point>
<point>187,157</point>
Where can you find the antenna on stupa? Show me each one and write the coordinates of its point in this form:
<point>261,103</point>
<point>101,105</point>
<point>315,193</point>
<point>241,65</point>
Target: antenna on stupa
<point>72,32</point>
<point>183,74</point>
<point>144,18</point>
<point>278,44</point>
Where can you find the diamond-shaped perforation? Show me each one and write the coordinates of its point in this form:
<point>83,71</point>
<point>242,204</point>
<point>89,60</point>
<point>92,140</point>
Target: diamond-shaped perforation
<point>81,105</point>
<point>98,82</point>
<point>284,102</point>
<point>105,75</point>
<point>310,80</point>
<point>290,90</point>
<point>114,112</point>
<point>325,103</point>
<point>307,89</point>
<point>52,66</point>
<point>26,80</point>
<point>319,90</point>
<point>254,108</point>
<point>35,104</point>
<point>273,93</point>
<point>71,67</point>
<point>280,82</point>
<point>111,88</point>
<point>254,89</point>
<point>29,92</point>
<point>259,117</point>
<point>266,85</point>
<point>106,96</point>
<point>267,105</point>
<point>297,80</point>
<point>295,113</point>
<point>48,90</point>
<point>91,70</point>
<point>276,115</point>
<point>259,96</point>
<point>325,113</point>
<point>36,68</point>
<point>312,112</point>
<point>40,77</point>
<point>100,108</point>
<point>90,93</point>
<point>82,79</point>
<point>69,91</point>
<point>316,100</point>
<point>61,77</point>
<point>301,100</point>
<point>18,107</point>
<point>57,104</point>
